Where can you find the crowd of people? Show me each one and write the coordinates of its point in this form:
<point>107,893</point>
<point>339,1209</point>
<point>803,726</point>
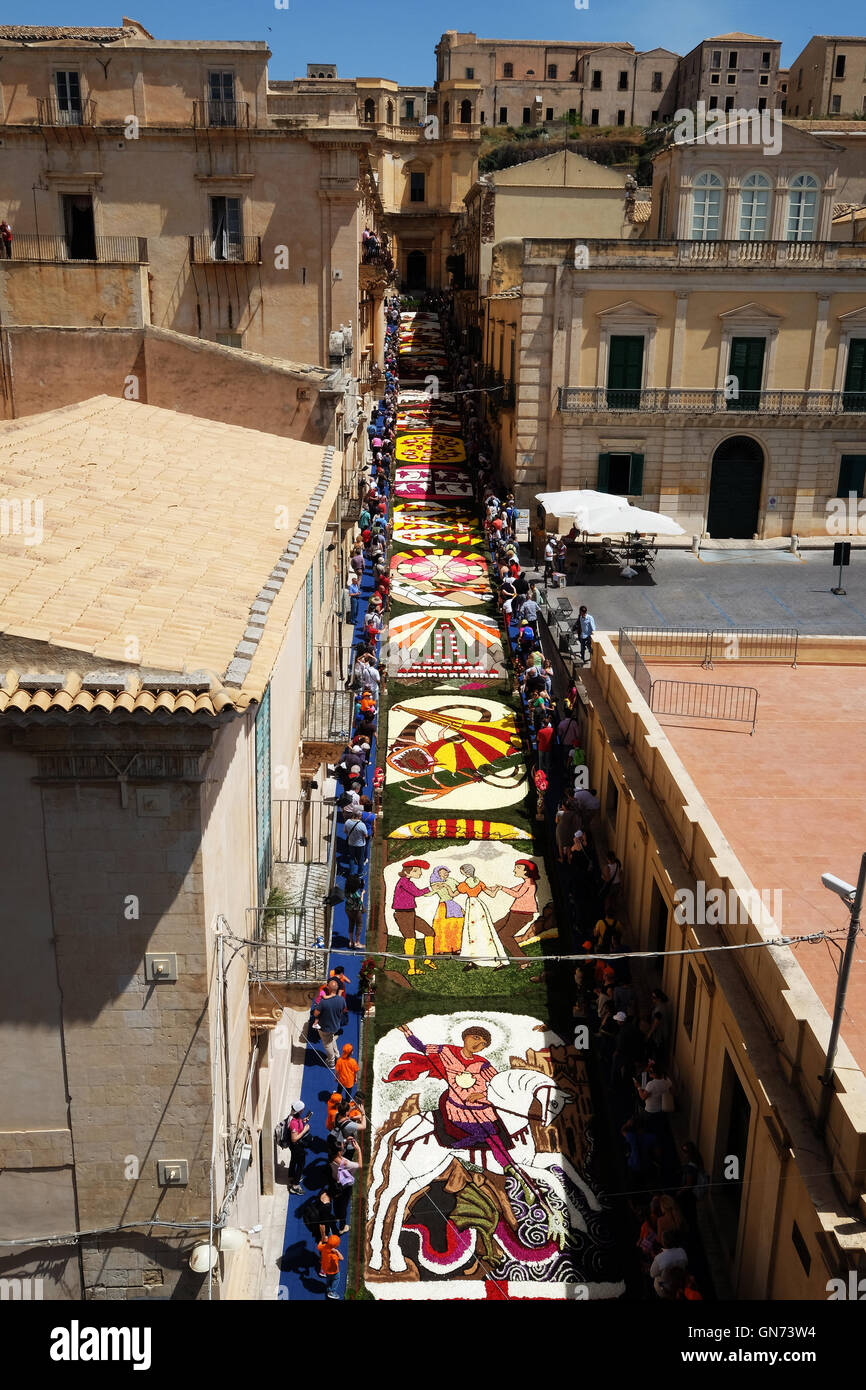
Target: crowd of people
<point>631,1038</point>
<point>631,1042</point>
<point>326,1213</point>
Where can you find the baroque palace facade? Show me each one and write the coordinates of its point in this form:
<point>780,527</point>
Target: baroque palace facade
<point>713,367</point>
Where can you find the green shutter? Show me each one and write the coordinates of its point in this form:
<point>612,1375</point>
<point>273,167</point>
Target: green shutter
<point>603,473</point>
<point>624,372</point>
<point>747,365</point>
<point>854,395</point>
<point>263,795</point>
<point>635,479</point>
<point>852,474</point>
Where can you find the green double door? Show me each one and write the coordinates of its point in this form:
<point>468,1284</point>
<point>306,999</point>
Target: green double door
<point>854,391</point>
<point>747,369</point>
<point>625,372</point>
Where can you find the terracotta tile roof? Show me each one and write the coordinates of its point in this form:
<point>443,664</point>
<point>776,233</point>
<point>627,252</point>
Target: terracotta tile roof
<point>44,33</point>
<point>189,536</point>
<point>753,38</point>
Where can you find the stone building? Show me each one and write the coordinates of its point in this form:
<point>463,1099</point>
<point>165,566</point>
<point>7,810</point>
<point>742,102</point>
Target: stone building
<point>533,82</point>
<point>558,195</point>
<point>731,72</point>
<point>827,78</point>
<point>174,161</point>
<point>172,596</point>
<point>717,369</point>
<point>749,1029</point>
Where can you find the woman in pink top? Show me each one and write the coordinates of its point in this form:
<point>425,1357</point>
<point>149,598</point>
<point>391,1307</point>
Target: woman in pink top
<point>523,909</point>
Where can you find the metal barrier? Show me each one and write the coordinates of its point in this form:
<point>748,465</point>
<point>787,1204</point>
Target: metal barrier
<point>634,662</point>
<point>754,644</point>
<point>703,700</point>
<point>288,947</point>
<point>703,644</point>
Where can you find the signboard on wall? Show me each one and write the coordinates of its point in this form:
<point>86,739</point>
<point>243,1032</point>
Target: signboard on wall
<point>522,524</point>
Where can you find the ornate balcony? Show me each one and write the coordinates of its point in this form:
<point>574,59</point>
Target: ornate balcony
<point>697,255</point>
<point>601,400</point>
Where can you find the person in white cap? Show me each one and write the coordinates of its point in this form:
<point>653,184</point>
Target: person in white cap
<point>298,1130</point>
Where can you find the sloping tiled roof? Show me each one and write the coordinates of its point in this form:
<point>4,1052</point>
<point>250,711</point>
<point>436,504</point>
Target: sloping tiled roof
<point>44,33</point>
<point>754,38</point>
<point>191,536</point>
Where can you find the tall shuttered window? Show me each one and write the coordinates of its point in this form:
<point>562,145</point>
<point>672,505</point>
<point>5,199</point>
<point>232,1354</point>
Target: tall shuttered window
<point>308,630</point>
<point>854,392</point>
<point>263,795</point>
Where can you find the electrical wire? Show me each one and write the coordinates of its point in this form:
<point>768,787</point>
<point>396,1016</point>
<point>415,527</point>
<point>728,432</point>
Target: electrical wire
<point>582,957</point>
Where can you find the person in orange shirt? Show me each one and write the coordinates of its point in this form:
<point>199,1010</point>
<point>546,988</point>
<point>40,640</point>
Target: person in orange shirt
<point>335,1100</point>
<point>329,1251</point>
<point>346,1069</point>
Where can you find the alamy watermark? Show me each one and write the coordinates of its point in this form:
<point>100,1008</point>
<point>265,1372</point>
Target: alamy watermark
<point>22,518</point>
<point>739,126</point>
<point>846,516</point>
<point>715,907</point>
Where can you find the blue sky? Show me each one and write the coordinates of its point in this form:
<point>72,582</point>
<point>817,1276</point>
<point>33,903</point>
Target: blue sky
<point>381,38</point>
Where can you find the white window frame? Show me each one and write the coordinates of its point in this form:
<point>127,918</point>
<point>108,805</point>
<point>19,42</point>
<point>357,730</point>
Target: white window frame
<point>751,321</point>
<point>630,321</point>
<point>703,182</point>
<point>754,181</point>
<point>851,325</point>
<point>803,183</point>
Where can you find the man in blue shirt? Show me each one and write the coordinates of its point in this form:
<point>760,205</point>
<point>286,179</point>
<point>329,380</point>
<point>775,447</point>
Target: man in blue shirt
<point>331,1015</point>
<point>585,627</point>
<point>354,591</point>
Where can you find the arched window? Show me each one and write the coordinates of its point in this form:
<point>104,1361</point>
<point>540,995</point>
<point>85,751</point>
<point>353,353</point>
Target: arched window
<point>389,109</point>
<point>446,113</point>
<point>754,207</point>
<point>369,109</point>
<point>706,207</point>
<point>802,207</point>
<point>465,112</point>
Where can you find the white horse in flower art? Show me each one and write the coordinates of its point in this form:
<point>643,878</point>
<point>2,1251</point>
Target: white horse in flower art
<point>411,1157</point>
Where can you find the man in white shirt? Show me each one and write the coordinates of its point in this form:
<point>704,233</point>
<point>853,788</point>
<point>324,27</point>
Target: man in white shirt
<point>549,554</point>
<point>672,1257</point>
<point>370,676</point>
<point>587,803</point>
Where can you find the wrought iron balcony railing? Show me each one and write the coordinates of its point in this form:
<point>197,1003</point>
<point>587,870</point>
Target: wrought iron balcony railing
<point>108,250</point>
<point>585,400</point>
<point>232,115</point>
<point>288,946</point>
<point>236,250</point>
<point>54,112</point>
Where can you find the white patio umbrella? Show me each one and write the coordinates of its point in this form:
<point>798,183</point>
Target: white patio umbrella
<point>606,514</point>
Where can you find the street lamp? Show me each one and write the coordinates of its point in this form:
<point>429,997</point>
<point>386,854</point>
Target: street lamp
<point>852,897</point>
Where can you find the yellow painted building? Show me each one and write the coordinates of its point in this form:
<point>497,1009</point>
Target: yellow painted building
<point>714,370</point>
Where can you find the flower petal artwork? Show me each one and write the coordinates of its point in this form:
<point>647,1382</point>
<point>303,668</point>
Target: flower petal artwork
<point>483,901</point>
<point>425,480</point>
<point>425,446</point>
<point>465,1189</point>
<point>458,828</point>
<point>456,751</point>
<point>457,645</point>
<point>446,578</point>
